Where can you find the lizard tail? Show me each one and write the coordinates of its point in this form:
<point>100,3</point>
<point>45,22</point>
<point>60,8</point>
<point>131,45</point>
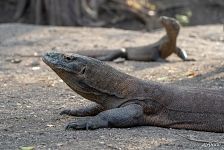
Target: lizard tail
<point>104,55</point>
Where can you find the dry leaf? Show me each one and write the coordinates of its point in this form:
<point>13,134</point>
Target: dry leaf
<point>27,148</point>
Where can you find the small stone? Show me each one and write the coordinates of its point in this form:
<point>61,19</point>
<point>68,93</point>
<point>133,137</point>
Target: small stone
<point>50,125</point>
<point>14,60</point>
<point>35,54</point>
<point>59,144</point>
<point>119,60</point>
<point>35,68</point>
<point>101,142</point>
<point>34,63</point>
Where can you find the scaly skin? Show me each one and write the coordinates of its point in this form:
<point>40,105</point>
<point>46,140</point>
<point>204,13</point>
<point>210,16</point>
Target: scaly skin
<point>158,51</point>
<point>125,101</point>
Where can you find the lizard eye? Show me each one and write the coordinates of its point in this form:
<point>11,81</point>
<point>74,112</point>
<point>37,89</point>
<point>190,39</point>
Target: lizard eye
<point>67,58</point>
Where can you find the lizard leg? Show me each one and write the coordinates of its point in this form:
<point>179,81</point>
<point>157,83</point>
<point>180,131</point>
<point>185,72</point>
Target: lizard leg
<point>111,57</point>
<point>130,115</point>
<point>161,60</point>
<point>91,110</point>
<point>182,54</point>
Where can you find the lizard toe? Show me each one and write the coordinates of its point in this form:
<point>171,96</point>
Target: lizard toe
<point>76,125</point>
<point>65,112</point>
<point>190,59</point>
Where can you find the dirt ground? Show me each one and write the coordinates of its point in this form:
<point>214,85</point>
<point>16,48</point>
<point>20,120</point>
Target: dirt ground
<point>32,95</point>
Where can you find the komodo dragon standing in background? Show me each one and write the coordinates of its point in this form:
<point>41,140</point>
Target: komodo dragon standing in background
<point>125,101</point>
<point>158,51</point>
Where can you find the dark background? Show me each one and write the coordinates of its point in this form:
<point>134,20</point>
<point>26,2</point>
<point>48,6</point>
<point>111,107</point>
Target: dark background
<point>126,14</point>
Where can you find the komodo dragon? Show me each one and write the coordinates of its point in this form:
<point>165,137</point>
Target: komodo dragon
<point>158,51</point>
<point>125,101</point>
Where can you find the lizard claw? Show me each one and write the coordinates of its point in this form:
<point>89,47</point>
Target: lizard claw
<point>190,59</point>
<point>82,124</point>
<point>65,112</point>
<point>78,125</point>
<point>75,125</point>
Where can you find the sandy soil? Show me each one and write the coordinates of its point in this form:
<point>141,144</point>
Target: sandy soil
<point>32,96</point>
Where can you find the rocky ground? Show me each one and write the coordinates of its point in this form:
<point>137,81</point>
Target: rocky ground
<point>32,96</point>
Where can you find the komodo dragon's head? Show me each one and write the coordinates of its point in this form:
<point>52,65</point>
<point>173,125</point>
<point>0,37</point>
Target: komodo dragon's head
<point>63,65</point>
<point>87,76</point>
<point>170,24</point>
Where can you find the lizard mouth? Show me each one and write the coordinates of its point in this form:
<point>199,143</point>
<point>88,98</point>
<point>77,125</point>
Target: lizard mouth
<point>49,59</point>
<point>63,63</point>
<point>52,60</point>
<point>170,24</point>
<point>72,70</point>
